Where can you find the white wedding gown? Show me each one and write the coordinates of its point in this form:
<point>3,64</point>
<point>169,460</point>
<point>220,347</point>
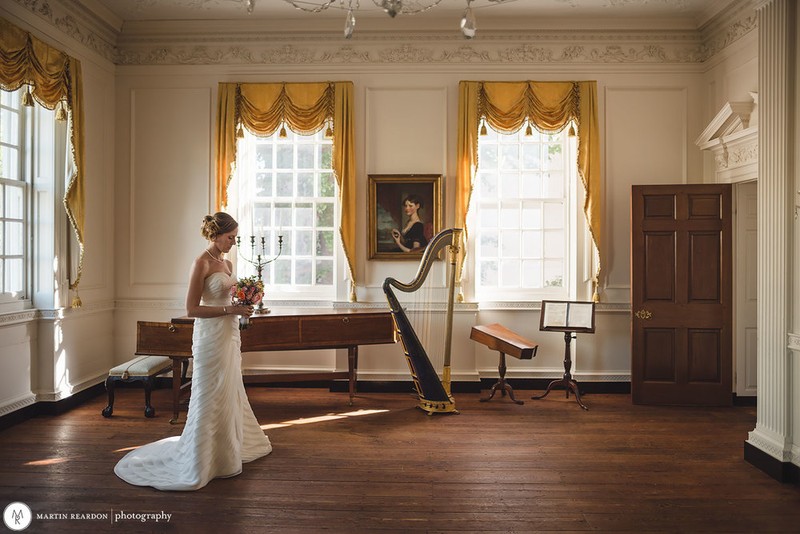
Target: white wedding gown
<point>221,432</point>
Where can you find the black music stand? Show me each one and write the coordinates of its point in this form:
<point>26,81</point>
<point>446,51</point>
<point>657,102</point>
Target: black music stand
<point>570,318</point>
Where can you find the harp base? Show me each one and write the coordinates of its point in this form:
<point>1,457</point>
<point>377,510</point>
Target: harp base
<point>432,407</point>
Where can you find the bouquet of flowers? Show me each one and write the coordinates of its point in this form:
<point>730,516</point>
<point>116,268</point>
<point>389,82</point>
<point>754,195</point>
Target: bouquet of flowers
<point>248,291</point>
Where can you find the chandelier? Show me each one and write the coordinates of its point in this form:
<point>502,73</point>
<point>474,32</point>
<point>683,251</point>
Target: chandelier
<point>390,7</point>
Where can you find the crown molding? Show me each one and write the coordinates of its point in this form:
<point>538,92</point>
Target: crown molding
<point>221,42</point>
<point>74,20</point>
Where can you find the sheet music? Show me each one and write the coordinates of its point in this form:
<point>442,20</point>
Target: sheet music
<point>555,314</point>
<point>579,315</point>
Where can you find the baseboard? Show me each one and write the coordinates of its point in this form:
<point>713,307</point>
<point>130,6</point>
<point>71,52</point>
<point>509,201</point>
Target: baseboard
<point>51,408</point>
<point>785,472</point>
<point>750,400</point>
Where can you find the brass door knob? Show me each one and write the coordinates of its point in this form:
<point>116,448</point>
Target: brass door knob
<point>643,314</point>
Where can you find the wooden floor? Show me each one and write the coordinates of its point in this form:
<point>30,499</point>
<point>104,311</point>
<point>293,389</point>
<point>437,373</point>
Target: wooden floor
<point>383,465</point>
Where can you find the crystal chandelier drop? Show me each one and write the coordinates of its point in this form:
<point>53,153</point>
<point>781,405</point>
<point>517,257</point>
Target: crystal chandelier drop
<point>390,7</point>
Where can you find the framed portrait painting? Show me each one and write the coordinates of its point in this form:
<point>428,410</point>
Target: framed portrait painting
<point>405,212</point>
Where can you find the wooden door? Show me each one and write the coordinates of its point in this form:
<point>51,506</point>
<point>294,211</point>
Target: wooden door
<point>681,333</point>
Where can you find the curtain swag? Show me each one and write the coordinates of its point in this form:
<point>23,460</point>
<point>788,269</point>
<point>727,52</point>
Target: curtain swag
<point>54,81</point>
<point>306,108</point>
<point>549,106</point>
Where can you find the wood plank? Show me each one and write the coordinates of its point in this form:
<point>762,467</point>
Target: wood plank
<point>386,466</point>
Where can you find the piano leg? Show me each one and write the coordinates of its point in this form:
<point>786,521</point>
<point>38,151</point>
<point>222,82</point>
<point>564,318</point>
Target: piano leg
<point>176,388</point>
<point>352,369</point>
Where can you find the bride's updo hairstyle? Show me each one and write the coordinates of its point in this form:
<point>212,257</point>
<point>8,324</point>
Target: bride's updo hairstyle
<point>217,224</point>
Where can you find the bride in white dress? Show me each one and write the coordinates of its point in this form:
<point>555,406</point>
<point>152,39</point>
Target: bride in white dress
<point>221,432</point>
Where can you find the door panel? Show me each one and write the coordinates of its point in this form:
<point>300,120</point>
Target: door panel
<point>681,295</point>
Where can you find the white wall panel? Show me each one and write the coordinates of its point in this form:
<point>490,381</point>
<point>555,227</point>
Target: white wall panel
<point>170,153</point>
<point>646,143</point>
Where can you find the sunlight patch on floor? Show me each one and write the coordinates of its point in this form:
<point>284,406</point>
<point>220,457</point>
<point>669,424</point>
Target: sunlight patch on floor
<point>321,418</point>
<point>48,461</point>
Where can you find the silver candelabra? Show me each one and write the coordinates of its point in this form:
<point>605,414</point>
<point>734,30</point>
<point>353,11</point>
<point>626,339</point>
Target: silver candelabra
<point>259,260</point>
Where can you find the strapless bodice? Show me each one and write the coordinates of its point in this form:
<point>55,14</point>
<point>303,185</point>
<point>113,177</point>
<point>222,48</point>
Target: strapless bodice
<point>217,289</point>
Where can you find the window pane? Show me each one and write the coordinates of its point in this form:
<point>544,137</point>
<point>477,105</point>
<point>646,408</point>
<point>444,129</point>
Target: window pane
<point>553,215</point>
<point>305,184</point>
<point>325,214</point>
<point>325,158</point>
<point>13,202</point>
<point>325,243</point>
<point>326,185</point>
<point>532,184</point>
<point>532,244</point>
<point>283,271</point>
<point>531,156</point>
<point>285,184</point>
<point>305,156</point>
<point>304,214</point>
<point>531,274</point>
<point>264,184</point>
<point>489,273</point>
<point>509,157</point>
<point>262,215</point>
<point>553,274</point>
<point>325,272</point>
<point>302,273</point>
<point>489,244</point>
<point>490,217</point>
<point>9,127</point>
<point>14,241</point>
<point>554,244</point>
<point>283,214</point>
<point>510,273</point>
<point>303,242</point>
<point>554,184</point>
<point>285,156</point>
<point>509,185</point>
<point>264,156</point>
<point>487,184</point>
<point>487,157</point>
<point>9,163</point>
<point>509,244</point>
<point>13,275</point>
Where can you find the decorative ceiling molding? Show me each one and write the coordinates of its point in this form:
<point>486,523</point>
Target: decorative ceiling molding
<point>204,44</point>
<point>400,54</point>
<point>74,21</point>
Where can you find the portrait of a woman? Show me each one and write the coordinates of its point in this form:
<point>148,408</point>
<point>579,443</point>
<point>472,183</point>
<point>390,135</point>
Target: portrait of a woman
<point>412,235</point>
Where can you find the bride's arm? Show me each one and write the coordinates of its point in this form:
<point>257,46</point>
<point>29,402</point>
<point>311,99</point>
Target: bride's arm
<point>195,292</point>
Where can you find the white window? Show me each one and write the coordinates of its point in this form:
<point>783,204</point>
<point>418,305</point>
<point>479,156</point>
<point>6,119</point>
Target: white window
<point>14,193</point>
<point>523,216</point>
<point>285,189</point>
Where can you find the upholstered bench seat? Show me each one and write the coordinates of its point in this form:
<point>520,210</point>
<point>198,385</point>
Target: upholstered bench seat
<point>141,368</point>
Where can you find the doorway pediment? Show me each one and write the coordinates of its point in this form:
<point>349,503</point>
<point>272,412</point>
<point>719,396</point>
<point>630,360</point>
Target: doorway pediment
<point>733,142</point>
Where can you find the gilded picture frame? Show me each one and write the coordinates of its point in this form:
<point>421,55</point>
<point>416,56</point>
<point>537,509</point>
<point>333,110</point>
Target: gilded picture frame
<point>394,232</point>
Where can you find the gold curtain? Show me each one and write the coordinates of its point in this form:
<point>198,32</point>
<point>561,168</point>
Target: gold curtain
<point>54,79</point>
<point>305,108</point>
<point>550,106</point>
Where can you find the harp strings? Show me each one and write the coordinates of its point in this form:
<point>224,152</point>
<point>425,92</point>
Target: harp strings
<point>428,313</point>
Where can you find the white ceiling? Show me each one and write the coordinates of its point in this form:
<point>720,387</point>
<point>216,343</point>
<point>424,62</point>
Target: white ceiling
<point>679,14</point>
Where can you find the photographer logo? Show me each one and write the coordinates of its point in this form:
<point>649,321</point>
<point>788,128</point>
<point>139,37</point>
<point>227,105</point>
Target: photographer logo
<point>17,516</point>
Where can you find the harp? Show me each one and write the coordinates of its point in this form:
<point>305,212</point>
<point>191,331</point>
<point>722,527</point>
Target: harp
<point>433,391</point>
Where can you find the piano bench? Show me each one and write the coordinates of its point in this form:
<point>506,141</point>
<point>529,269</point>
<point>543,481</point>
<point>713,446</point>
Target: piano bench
<point>140,369</point>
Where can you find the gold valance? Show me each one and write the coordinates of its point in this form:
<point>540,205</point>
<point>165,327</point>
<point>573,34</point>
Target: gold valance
<point>54,79</point>
<point>305,108</point>
<point>549,106</point>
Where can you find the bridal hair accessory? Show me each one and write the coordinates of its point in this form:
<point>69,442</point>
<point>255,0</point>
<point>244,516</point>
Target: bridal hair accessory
<point>248,291</point>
